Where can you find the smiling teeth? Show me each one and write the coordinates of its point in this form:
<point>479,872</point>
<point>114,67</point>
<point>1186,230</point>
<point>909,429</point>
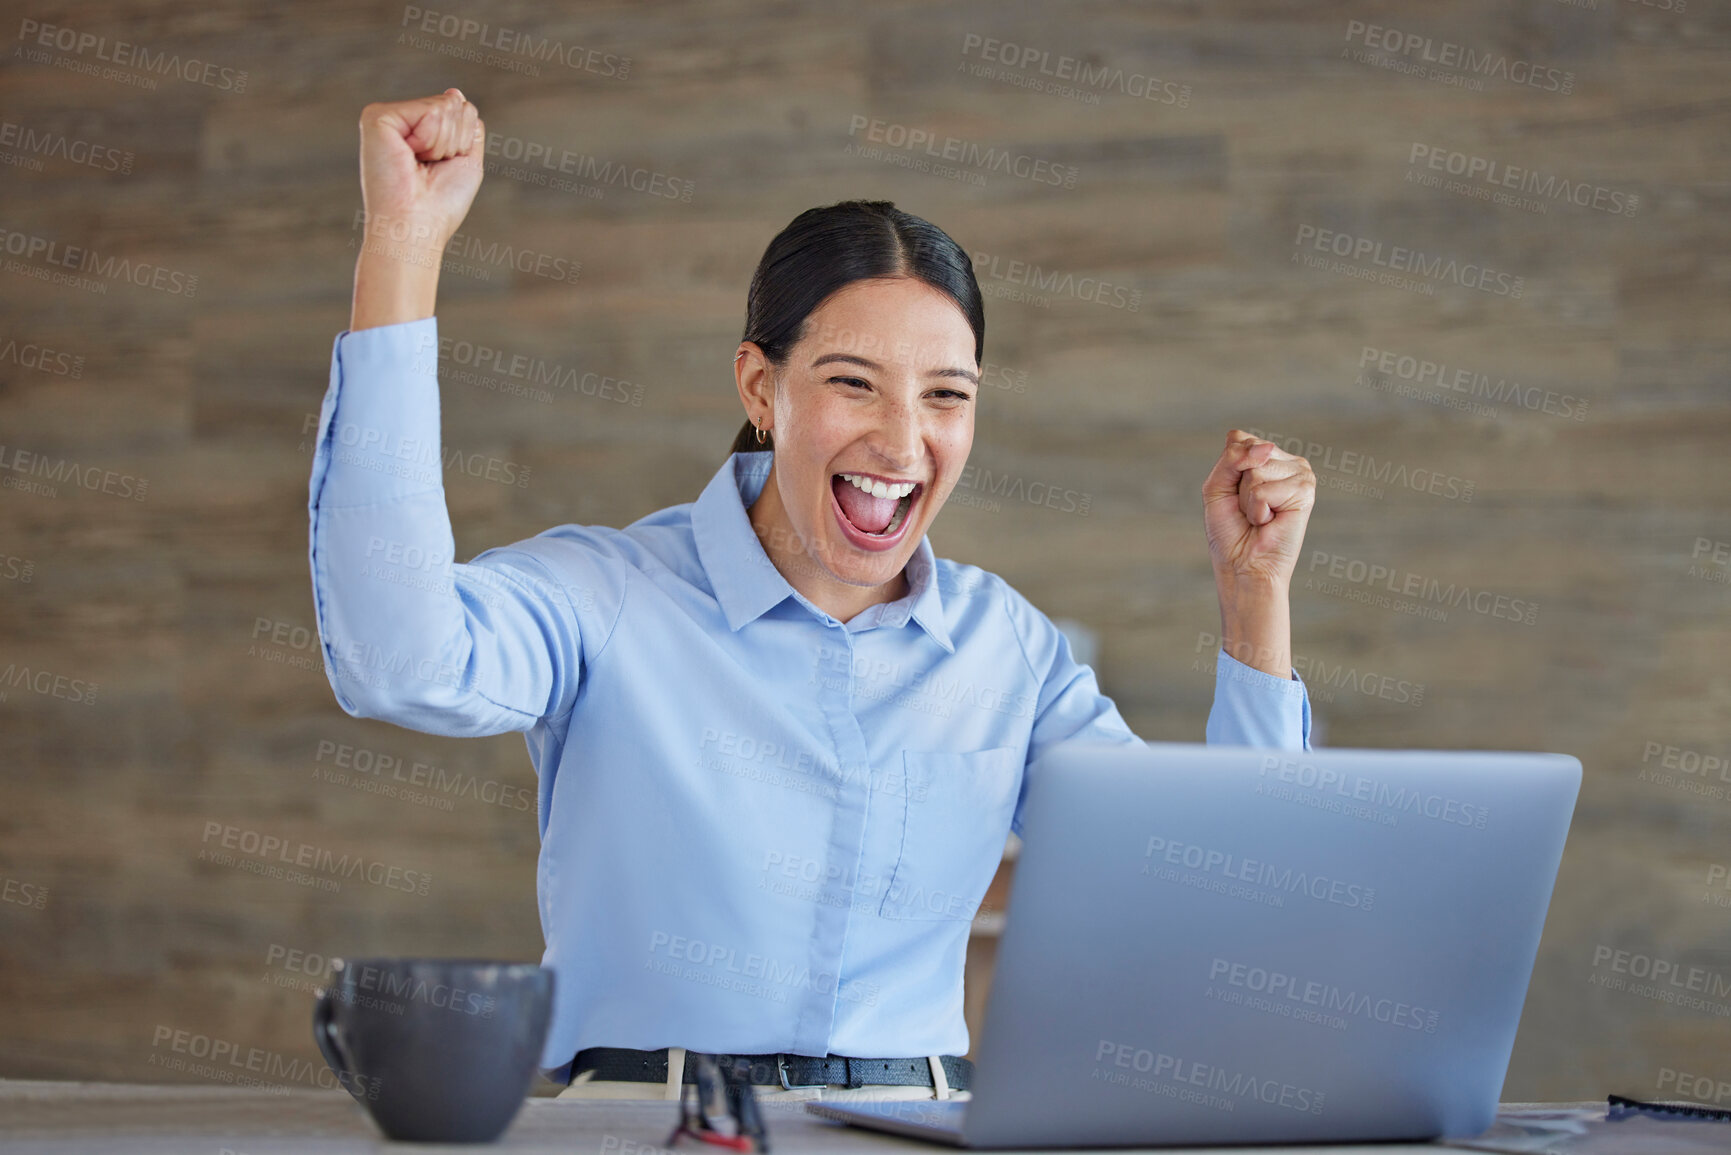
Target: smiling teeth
<point>879,488</point>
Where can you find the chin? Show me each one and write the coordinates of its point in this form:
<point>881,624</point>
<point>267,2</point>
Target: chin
<point>874,572</point>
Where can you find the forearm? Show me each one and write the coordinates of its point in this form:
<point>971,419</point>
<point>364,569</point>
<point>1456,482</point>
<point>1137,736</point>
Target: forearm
<point>395,280</point>
<point>1259,702</point>
<point>1256,625</point>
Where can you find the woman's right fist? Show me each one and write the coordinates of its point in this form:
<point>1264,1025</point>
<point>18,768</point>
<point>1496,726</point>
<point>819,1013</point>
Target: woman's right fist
<point>421,164</point>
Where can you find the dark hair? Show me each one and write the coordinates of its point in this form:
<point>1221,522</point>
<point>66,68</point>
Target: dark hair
<point>825,249</point>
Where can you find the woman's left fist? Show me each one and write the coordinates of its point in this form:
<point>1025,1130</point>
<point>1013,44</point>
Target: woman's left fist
<point>1255,504</point>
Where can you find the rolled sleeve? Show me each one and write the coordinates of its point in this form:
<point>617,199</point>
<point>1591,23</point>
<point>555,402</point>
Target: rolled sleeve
<point>409,635</point>
<point>378,435</point>
<point>1254,708</point>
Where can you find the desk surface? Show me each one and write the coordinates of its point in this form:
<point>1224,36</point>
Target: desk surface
<point>149,1119</point>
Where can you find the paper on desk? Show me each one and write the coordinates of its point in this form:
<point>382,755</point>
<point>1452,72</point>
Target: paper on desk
<point>1587,1131</point>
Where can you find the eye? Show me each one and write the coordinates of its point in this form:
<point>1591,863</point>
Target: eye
<point>955,393</point>
<point>852,381</point>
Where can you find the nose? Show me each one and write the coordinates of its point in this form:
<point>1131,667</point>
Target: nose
<point>899,438</point>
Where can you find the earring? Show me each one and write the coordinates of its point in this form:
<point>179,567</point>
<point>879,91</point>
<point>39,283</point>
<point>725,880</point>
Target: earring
<point>760,434</point>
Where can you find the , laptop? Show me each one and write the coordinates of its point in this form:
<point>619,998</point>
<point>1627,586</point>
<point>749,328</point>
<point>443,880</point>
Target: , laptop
<point>1218,944</point>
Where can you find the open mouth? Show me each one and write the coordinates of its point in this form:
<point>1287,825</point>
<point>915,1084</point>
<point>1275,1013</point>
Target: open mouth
<point>869,516</point>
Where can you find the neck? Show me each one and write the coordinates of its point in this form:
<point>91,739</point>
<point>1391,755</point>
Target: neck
<point>805,573</point>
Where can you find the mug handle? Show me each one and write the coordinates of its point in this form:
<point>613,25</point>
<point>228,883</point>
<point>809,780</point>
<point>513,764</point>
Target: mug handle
<point>330,1041</point>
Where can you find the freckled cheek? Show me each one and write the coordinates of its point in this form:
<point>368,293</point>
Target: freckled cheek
<point>953,458</point>
<point>829,438</point>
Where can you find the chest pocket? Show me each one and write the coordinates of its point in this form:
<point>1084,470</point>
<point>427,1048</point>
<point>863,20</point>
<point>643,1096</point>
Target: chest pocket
<point>959,808</point>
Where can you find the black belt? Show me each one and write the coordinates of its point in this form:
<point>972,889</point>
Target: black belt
<point>778,1070</point>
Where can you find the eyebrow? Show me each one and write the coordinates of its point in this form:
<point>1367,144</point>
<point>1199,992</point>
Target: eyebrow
<point>964,374</point>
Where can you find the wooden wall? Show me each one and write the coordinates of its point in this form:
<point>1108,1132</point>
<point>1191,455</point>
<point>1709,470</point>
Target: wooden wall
<point>1224,144</point>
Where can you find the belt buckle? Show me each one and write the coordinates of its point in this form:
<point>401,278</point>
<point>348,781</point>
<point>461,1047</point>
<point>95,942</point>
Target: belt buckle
<point>781,1069</point>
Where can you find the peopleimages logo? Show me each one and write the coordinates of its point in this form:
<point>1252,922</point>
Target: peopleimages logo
<point>1541,187</point>
<point>1375,577</point>
<point>1322,679</point>
<point>33,142</point>
<point>47,683</point>
<point>722,965</point>
<point>30,894</point>
<point>548,158</point>
<point>1256,873</point>
<point>226,1061</point>
<point>1356,464</point>
<point>1078,72</point>
<point>92,477</point>
<point>378,772</point>
<point>1701,1088</point>
<point>1689,761</point>
<point>881,679</point>
<point>1422,49</point>
<point>1425,377</point>
<point>529,369</point>
<point>273,849</point>
<point>1400,259</point>
<point>391,984</point>
<point>33,34</point>
<point>30,355</point>
<point>144,274</point>
<point>1668,978</point>
<point>1358,788</point>
<point>985,158</point>
<point>1718,553</point>
<point>1042,283</point>
<point>1192,1073</point>
<point>511,42</point>
<point>1328,998</point>
<point>371,446</point>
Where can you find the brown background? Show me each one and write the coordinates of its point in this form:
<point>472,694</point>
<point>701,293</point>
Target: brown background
<point>189,609</point>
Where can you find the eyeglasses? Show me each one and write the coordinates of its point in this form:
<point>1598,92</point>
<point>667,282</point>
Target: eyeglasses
<point>1621,1107</point>
<point>726,1112</point>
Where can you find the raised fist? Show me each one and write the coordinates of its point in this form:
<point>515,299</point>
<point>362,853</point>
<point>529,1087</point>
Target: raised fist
<point>421,165</point>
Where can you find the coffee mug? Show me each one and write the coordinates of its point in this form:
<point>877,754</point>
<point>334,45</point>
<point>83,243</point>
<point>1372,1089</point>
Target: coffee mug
<point>436,1050</point>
